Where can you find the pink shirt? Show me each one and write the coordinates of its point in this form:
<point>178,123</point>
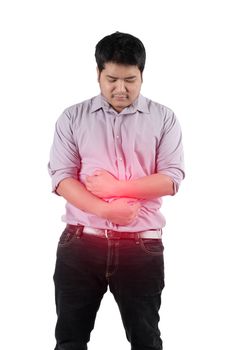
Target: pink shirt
<point>145,138</point>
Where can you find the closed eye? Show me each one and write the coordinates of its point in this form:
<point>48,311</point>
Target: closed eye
<point>113,79</point>
<point>130,80</point>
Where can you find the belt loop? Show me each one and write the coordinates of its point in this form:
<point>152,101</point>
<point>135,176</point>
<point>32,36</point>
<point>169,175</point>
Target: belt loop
<point>137,237</point>
<point>79,231</point>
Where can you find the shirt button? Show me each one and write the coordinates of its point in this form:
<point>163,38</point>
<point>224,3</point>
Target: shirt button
<point>120,159</point>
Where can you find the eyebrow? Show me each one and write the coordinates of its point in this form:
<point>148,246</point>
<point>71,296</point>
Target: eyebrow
<point>130,77</point>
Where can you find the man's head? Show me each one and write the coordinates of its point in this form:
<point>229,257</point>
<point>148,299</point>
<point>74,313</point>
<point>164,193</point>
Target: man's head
<point>120,61</point>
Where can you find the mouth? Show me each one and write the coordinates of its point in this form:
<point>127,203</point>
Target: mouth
<point>120,97</point>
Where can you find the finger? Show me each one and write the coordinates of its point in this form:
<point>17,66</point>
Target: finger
<point>132,201</point>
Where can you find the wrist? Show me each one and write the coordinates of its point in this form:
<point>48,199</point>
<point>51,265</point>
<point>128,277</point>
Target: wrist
<point>103,210</point>
<point>119,188</point>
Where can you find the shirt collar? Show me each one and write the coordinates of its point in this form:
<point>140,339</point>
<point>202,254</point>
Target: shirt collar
<point>140,104</point>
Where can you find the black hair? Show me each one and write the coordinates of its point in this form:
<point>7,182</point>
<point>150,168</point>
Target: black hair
<point>120,48</point>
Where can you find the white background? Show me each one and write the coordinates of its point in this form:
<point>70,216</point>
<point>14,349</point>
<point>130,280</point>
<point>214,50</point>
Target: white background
<point>47,64</point>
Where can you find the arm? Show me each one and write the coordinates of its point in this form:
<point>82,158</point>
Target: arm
<point>121,211</point>
<point>166,180</point>
<point>64,166</point>
<point>76,194</point>
<point>148,187</point>
<point>103,184</point>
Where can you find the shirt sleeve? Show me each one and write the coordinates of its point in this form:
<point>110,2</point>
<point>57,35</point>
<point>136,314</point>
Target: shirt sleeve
<point>170,157</point>
<point>64,156</point>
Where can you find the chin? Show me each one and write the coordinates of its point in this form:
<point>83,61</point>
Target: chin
<point>121,106</point>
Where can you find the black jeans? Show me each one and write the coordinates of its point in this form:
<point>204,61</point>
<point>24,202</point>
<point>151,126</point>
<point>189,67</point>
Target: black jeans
<point>86,265</point>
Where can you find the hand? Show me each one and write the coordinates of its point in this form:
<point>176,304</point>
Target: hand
<point>102,184</point>
<point>122,211</point>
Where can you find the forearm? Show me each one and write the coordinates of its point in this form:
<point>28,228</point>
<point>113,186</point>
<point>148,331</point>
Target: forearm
<point>148,187</point>
<point>76,194</point>
<point>121,211</point>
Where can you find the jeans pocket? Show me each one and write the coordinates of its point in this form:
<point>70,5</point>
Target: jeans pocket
<point>66,238</point>
<point>152,246</point>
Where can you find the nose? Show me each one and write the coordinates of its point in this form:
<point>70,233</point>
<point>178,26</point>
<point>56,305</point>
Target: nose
<point>120,86</point>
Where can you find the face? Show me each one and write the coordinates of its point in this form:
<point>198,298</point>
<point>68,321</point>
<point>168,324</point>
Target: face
<point>120,84</point>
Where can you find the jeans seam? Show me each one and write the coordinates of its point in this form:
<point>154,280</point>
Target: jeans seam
<point>115,257</point>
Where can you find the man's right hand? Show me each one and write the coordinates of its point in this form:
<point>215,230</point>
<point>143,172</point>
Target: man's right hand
<point>122,211</point>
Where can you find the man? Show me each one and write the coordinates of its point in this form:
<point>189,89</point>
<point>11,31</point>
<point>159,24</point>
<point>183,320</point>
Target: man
<point>112,159</point>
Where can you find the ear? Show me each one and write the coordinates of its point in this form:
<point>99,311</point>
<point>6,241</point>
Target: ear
<point>98,74</point>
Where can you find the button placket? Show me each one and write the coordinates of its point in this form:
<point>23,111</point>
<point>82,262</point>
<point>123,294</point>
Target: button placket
<point>118,148</point>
